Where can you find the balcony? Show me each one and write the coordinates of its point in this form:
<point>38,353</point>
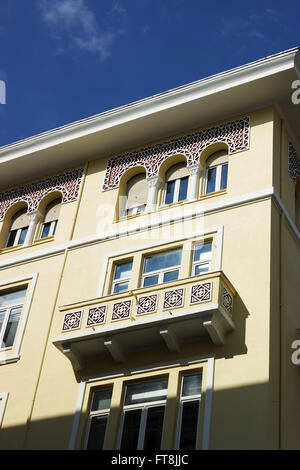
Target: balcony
<point>172,313</point>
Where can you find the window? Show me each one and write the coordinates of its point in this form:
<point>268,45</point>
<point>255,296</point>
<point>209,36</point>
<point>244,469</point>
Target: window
<point>98,419</point>
<point>202,258</point>
<point>121,277</point>
<point>143,415</point>
<point>188,413</point>
<point>136,194</point>
<point>161,267</point>
<point>49,224</point>
<point>216,172</point>
<point>11,304</point>
<point>176,184</point>
<point>18,229</point>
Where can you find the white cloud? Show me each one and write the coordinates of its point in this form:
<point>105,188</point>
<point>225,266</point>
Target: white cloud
<point>74,22</point>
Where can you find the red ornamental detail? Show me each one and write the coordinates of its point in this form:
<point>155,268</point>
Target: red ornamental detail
<point>293,163</point>
<point>67,183</point>
<point>96,315</point>
<point>72,321</point>
<point>147,304</point>
<point>201,293</point>
<point>235,134</point>
<point>173,298</point>
<point>121,310</point>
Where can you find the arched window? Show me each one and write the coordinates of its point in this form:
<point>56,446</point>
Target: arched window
<point>18,229</point>
<point>136,194</point>
<point>176,184</point>
<point>216,172</point>
<point>50,221</point>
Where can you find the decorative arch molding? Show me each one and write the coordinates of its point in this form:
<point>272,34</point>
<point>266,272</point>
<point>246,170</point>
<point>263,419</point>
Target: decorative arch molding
<point>235,134</point>
<point>67,184</point>
<point>293,162</point>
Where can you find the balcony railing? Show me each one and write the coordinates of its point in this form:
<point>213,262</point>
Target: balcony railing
<point>172,313</point>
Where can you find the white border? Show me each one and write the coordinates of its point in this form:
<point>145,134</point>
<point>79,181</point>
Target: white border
<point>210,359</point>
<point>3,400</point>
<point>32,278</point>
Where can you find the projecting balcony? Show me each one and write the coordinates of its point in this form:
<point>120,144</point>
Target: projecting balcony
<point>172,313</point>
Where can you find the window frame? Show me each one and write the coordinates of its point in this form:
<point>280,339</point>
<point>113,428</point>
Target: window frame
<point>176,191</point>
<point>17,237</point>
<point>95,413</point>
<point>144,406</point>
<point>53,226</point>
<point>7,311</point>
<point>219,168</point>
<point>160,272</point>
<point>181,401</point>
<point>120,280</point>
<point>201,263</point>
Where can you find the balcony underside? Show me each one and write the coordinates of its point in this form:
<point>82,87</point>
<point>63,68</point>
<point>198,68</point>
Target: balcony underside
<point>123,338</point>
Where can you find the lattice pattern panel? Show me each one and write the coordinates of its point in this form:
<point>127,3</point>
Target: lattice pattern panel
<point>227,300</point>
<point>201,293</point>
<point>67,183</point>
<point>235,134</point>
<point>72,321</point>
<point>121,310</point>
<point>293,163</point>
<point>147,304</point>
<point>96,315</point>
<point>173,298</point>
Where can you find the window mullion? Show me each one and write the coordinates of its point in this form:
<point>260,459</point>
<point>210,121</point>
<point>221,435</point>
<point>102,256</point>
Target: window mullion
<point>140,445</point>
<point>218,178</point>
<point>17,237</point>
<point>176,190</point>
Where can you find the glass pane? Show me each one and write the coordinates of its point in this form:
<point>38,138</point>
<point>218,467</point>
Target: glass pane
<point>183,188</point>
<point>121,287</point>
<point>224,177</point>
<point>97,432</point>
<point>102,399</point>
<point>154,427</point>
<point>203,252</point>
<point>9,299</point>
<point>11,238</point>
<point>211,180</point>
<point>201,268</point>
<point>11,328</point>
<point>141,208</point>
<point>131,428</point>
<point>22,236</point>
<point>150,280</point>
<point>189,426</point>
<point>163,260</point>
<point>191,385</point>
<point>145,392</point>
<point>170,192</point>
<point>46,230</point>
<point>171,275</point>
<point>123,270</point>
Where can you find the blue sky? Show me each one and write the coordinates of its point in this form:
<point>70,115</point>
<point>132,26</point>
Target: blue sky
<point>64,60</point>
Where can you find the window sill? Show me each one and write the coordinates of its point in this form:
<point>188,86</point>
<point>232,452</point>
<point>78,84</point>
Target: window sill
<point>40,241</point>
<point>9,249</point>
<point>217,193</point>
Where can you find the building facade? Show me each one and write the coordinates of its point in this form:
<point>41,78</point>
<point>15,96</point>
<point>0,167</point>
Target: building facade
<point>149,272</point>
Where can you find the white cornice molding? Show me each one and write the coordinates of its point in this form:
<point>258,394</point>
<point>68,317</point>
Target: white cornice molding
<point>255,70</point>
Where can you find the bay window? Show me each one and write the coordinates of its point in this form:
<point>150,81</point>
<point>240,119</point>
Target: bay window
<point>202,258</point>
<point>121,278</point>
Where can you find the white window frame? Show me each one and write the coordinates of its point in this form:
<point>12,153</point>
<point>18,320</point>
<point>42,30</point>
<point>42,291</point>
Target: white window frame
<point>160,272</point>
<point>7,311</point>
<point>144,407</point>
<point>183,400</point>
<point>53,225</point>
<point>176,191</point>
<point>135,210</point>
<point>17,237</point>
<point>105,412</point>
<point>207,262</point>
<point>121,280</point>
<point>29,282</point>
<point>218,178</point>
